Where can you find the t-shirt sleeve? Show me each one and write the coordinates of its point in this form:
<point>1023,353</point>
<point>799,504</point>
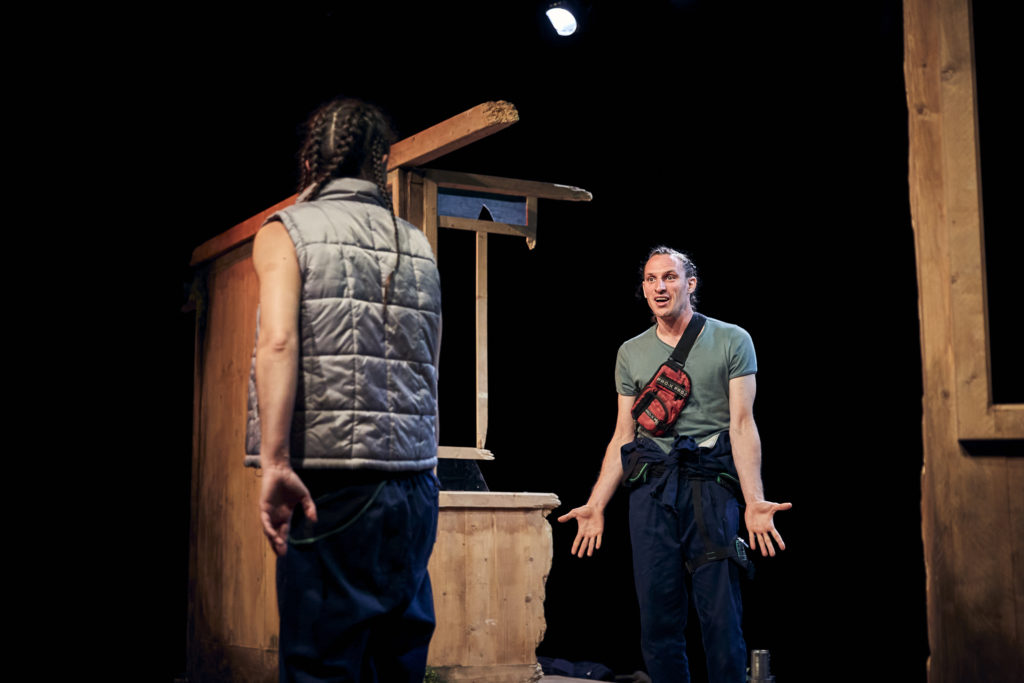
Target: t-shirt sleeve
<point>742,359</point>
<point>623,379</point>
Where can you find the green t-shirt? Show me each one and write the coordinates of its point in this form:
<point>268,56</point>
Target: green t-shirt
<point>722,352</point>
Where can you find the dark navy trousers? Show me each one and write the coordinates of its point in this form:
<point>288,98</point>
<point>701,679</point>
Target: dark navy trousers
<point>353,593</point>
<point>665,533</point>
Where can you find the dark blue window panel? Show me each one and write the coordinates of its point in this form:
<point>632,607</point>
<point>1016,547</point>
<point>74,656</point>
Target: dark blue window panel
<point>501,208</point>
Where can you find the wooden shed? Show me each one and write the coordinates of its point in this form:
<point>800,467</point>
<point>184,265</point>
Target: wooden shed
<point>493,550</point>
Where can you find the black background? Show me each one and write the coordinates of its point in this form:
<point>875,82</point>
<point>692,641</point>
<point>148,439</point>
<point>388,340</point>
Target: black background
<point>767,140</point>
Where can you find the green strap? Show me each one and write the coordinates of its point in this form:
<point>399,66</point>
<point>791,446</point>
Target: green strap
<point>314,539</point>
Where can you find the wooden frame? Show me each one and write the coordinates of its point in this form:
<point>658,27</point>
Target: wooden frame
<point>415,194</point>
<point>945,109</point>
<point>977,416</point>
<point>452,134</point>
<point>971,508</point>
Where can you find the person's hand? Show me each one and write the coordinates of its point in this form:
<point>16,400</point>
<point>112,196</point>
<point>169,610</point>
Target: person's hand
<point>590,526</point>
<point>281,491</point>
<point>761,525</point>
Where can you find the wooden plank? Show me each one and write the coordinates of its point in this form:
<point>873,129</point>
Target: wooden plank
<point>447,577</point>
<point>498,499</point>
<point>963,216</point>
<point>234,610</point>
<point>928,218</point>
<point>1014,485</point>
<point>214,247</point>
<point>464,453</point>
<point>482,546</point>
<point>414,188</point>
<point>399,195</point>
<point>452,134</point>
<point>481,339</point>
<point>192,627</point>
<point>977,417</point>
<point>531,221</point>
<point>1007,420</point>
<point>510,186</point>
<point>928,212</point>
<point>430,220</point>
<point>493,227</point>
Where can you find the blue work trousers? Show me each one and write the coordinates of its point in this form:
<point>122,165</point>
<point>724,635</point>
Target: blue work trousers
<point>353,593</point>
<point>665,534</point>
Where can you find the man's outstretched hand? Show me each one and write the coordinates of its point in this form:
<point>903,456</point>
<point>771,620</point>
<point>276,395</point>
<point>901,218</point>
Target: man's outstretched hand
<point>590,526</point>
<point>760,519</point>
<point>281,491</point>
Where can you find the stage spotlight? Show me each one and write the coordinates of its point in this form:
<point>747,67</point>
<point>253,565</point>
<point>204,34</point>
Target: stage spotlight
<point>562,18</point>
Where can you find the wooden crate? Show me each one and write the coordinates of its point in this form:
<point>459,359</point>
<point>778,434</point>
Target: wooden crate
<point>489,566</point>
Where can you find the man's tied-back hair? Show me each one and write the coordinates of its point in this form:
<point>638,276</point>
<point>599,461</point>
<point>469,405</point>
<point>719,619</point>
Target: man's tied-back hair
<point>689,269</point>
<point>345,138</point>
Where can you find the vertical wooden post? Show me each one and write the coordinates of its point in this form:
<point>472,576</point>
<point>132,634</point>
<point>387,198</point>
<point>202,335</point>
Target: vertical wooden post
<point>971,515</point>
<point>531,220</point>
<point>481,339</point>
<point>407,195</point>
<point>399,197</point>
<point>414,202</point>
<point>430,213</point>
<point>415,199</point>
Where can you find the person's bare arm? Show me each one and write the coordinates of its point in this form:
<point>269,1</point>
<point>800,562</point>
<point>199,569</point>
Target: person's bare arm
<point>277,373</point>
<point>746,453</point>
<point>590,517</point>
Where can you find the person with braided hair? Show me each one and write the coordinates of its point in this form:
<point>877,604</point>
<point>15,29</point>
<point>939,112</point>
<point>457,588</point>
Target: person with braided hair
<point>342,416</point>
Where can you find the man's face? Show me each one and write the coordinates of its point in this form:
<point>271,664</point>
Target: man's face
<point>666,287</point>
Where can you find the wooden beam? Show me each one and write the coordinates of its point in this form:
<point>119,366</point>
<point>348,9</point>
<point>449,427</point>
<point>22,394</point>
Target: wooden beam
<point>430,213</point>
<point>214,247</point>
<point>407,189</point>
<point>531,221</point>
<point>448,136</point>
<point>494,227</point>
<point>512,186</point>
<point>399,195</point>
<point>464,453</point>
<point>481,339</point>
<point>977,417</point>
<point>498,499</point>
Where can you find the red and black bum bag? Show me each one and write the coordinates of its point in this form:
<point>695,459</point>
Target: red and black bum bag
<point>664,396</point>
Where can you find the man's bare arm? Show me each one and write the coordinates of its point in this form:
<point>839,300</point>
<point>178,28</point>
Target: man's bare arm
<point>746,453</point>
<point>277,372</point>
<point>590,517</point>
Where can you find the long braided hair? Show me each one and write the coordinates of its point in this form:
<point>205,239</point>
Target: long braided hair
<point>347,137</point>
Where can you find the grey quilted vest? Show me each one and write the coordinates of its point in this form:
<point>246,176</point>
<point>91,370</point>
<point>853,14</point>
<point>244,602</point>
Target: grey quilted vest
<point>366,397</point>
